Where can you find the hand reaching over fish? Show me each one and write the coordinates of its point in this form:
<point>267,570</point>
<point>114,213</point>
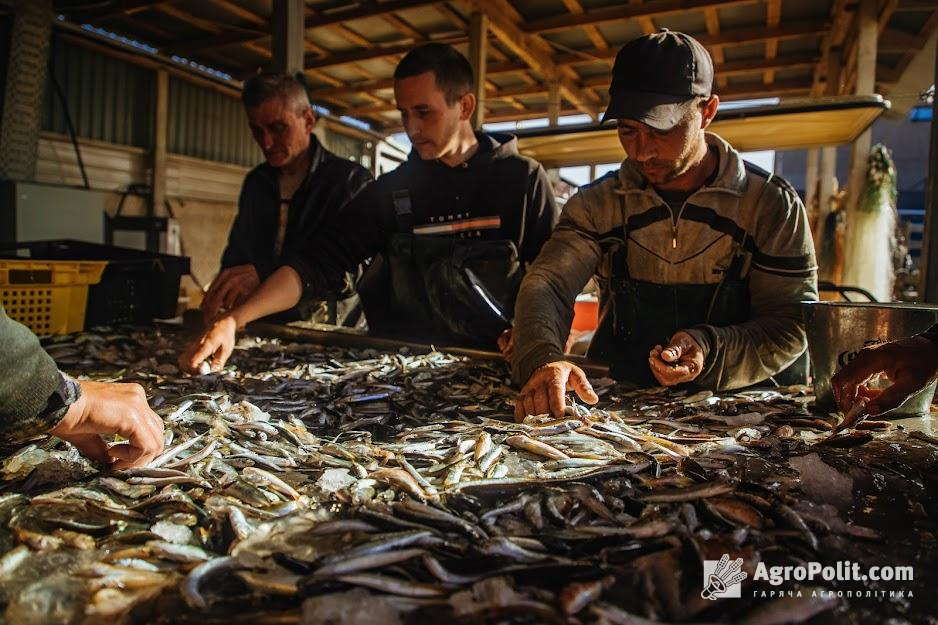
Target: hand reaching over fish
<point>546,389</point>
<point>910,364</point>
<point>215,346</point>
<point>112,409</point>
<point>682,360</point>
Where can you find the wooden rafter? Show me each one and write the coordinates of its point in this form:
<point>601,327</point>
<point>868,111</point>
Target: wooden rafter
<point>734,68</point>
<point>517,44</point>
<point>773,17</point>
<point>357,56</point>
<point>645,21</point>
<point>625,12</point>
<point>239,11</point>
<point>387,83</point>
<point>401,25</point>
<point>712,19</point>
<point>831,43</point>
<point>362,10</point>
<point>125,7</point>
<point>930,26</point>
<point>490,94</point>
<point>591,30</point>
<point>792,30</point>
<point>506,23</point>
<point>351,36</point>
<point>455,18</point>
<point>201,23</point>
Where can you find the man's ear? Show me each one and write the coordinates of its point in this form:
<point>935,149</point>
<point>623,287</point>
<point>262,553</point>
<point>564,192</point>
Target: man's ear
<point>709,111</point>
<point>467,104</point>
<point>309,119</point>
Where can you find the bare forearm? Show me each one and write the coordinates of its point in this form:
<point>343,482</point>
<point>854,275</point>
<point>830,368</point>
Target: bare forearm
<point>281,291</point>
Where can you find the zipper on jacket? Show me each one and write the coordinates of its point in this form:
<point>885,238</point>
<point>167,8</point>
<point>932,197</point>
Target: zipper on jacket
<point>674,222</point>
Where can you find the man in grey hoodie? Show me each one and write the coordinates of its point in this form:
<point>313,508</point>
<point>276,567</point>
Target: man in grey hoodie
<point>702,258</point>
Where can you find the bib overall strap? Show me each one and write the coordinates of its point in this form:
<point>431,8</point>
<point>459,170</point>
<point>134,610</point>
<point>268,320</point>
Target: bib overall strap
<point>403,215</point>
<point>403,220</point>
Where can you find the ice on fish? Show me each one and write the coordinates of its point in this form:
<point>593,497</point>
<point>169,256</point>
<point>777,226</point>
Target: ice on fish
<point>355,607</point>
<point>334,480</point>
<point>822,482</point>
<point>172,532</point>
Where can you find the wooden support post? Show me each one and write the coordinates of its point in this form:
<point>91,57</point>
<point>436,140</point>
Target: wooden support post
<point>827,188</point>
<point>811,180</point>
<point>553,103</point>
<point>478,52</point>
<point>160,126</point>
<point>929,261</point>
<point>288,34</point>
<point>857,268</point>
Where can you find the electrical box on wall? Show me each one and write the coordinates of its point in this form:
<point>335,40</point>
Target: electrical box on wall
<point>34,212</point>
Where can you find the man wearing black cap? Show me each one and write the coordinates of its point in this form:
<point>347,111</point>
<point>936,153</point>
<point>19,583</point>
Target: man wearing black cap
<point>702,258</point>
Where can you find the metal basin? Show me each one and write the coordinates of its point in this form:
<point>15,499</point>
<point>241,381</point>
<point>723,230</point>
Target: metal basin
<point>838,330</point>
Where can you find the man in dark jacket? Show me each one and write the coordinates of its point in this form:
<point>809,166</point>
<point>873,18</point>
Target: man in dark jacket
<point>285,200</point>
<point>35,398</point>
<point>451,229</point>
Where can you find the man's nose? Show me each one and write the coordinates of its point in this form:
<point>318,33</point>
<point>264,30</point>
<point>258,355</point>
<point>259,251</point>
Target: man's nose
<point>412,128</point>
<point>644,149</point>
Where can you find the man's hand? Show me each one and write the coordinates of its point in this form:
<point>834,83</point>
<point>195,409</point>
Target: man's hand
<point>217,343</point>
<point>106,408</point>
<point>506,344</point>
<point>910,364</point>
<point>547,387</point>
<point>681,361</point>
<point>229,288</point>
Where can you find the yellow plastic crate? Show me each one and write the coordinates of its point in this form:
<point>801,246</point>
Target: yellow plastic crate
<point>48,296</point>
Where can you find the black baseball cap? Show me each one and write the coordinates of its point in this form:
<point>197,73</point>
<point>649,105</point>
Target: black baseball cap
<point>655,76</point>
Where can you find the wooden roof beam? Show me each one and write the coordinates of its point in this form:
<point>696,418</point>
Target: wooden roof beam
<point>112,9</point>
<point>362,10</point>
<point>376,52</point>
<point>773,17</point>
<point>916,5</point>
<point>454,18</point>
<point>791,30</point>
<point>239,11</point>
<point>894,40</point>
<point>645,21</point>
<point>625,12</point>
<point>507,25</point>
<point>591,30</point>
<point>712,19</point>
<point>402,26</point>
<point>186,47</point>
<point>388,83</point>
<point>351,36</point>
<point>734,68</point>
<point>490,94</point>
<point>831,44</point>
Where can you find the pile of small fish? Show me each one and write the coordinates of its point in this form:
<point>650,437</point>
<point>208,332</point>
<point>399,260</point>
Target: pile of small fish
<point>311,484</point>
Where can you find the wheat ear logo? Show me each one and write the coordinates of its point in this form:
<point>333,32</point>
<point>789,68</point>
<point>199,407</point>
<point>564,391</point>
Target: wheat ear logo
<point>722,578</point>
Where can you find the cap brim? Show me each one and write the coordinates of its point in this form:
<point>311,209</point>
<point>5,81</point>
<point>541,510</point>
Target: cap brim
<point>657,110</point>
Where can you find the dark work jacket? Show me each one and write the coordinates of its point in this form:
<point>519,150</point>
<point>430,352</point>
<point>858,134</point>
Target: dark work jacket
<point>28,381</point>
<point>497,195</point>
<point>328,188</point>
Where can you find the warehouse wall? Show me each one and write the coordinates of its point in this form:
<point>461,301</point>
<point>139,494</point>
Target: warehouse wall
<point>202,194</point>
<point>209,125</point>
<point>111,104</point>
